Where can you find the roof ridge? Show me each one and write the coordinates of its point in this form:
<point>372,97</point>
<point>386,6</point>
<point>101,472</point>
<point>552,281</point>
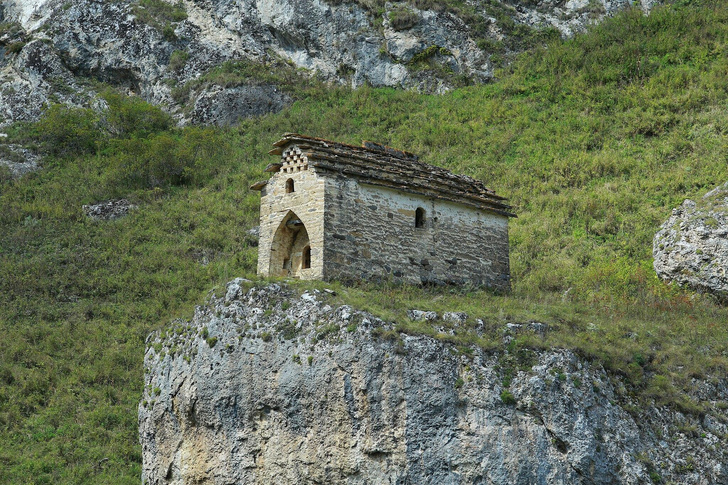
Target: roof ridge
<point>386,159</point>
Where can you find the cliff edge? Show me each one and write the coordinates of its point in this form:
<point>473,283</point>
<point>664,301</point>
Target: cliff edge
<point>266,386</point>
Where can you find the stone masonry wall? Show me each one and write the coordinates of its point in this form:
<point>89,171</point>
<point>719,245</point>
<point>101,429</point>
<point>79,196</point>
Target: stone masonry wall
<point>370,232</point>
<point>307,202</point>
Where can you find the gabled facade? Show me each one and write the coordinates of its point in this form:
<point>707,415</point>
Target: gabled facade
<point>337,211</point>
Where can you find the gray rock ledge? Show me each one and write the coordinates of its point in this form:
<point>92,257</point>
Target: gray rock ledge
<point>266,386</point>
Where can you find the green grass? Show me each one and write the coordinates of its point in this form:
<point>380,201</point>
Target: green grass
<point>159,13</point>
<point>243,72</point>
<point>516,37</point>
<point>594,140</point>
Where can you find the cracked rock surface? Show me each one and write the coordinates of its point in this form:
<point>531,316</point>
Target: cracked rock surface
<point>18,160</point>
<point>266,386</point>
<point>691,247</point>
<point>337,41</point>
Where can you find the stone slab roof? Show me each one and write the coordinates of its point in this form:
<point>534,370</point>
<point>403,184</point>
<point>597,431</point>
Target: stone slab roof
<point>380,165</point>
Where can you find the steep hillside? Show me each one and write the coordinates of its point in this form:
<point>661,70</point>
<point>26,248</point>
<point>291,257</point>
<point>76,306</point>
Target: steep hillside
<point>216,61</point>
<point>594,139</point>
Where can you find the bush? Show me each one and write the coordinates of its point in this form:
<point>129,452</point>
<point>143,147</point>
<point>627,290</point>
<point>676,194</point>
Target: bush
<point>168,33</point>
<point>507,397</point>
<point>154,11</point>
<point>10,29</point>
<point>152,162</point>
<point>15,47</point>
<point>6,176</point>
<point>131,116</point>
<point>425,55</point>
<point>245,72</point>
<point>178,59</point>
<point>403,19</point>
<point>66,132</point>
<point>160,14</point>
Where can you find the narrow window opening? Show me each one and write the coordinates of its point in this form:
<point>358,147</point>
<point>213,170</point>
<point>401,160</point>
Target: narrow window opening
<point>289,186</point>
<point>420,217</point>
<point>286,263</point>
<point>306,259</point>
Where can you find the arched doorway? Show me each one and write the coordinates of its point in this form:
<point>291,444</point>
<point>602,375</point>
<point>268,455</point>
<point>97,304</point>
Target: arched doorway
<point>291,248</point>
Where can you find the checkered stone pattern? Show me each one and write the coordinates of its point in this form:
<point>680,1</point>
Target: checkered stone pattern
<point>293,160</point>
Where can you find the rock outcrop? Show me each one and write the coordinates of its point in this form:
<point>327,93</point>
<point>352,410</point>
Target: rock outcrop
<point>18,160</point>
<point>154,48</point>
<point>266,386</point>
<point>33,78</point>
<point>691,247</point>
<point>109,210</point>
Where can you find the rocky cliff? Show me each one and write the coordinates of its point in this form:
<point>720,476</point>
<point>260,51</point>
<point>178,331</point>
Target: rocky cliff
<point>266,386</point>
<point>167,52</point>
<point>691,247</point>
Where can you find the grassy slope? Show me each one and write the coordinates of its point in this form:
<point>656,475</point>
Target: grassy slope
<point>594,140</point>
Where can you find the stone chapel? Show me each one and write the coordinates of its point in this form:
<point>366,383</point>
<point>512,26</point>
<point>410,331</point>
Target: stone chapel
<point>337,211</point>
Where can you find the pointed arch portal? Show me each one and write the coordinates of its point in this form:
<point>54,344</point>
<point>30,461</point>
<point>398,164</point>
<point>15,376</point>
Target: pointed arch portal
<point>291,248</point>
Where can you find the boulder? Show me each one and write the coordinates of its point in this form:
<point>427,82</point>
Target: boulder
<point>691,247</point>
<point>226,106</point>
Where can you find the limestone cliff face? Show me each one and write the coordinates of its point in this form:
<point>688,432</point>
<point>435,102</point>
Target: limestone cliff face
<point>131,44</point>
<point>266,386</point>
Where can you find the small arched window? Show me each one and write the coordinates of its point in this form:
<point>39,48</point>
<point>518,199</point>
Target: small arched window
<point>306,258</point>
<point>289,186</point>
<point>420,217</point>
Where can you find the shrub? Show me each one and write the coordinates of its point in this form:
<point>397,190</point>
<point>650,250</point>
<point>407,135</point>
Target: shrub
<point>168,158</point>
<point>153,12</point>
<point>168,33</point>
<point>12,155</point>
<point>131,116</point>
<point>427,54</point>
<point>6,176</point>
<point>507,397</point>
<point>403,19</point>
<point>327,330</point>
<point>10,28</point>
<point>178,60</point>
<point>15,47</point>
<point>66,132</point>
<point>245,73</point>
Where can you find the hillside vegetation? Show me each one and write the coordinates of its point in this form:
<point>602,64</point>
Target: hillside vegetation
<point>594,140</point>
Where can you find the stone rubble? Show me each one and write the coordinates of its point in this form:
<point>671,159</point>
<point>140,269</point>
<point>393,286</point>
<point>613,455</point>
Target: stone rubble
<point>109,210</point>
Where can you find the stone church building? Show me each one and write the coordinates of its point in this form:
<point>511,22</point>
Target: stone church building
<point>337,211</point>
